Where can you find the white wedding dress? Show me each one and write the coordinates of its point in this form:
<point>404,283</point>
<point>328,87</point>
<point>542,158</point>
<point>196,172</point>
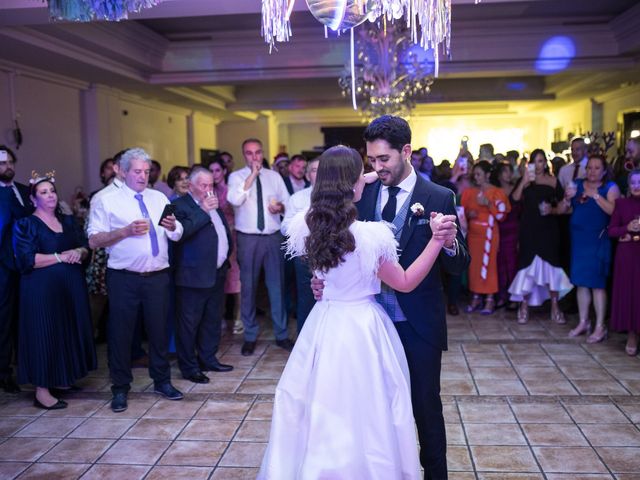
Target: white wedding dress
<point>342,407</point>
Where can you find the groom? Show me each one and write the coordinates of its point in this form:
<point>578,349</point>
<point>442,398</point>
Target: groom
<point>405,199</point>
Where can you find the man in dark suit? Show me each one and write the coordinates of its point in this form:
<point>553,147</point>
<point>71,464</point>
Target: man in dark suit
<point>405,199</point>
<point>201,262</point>
<point>14,204</point>
<point>296,180</point>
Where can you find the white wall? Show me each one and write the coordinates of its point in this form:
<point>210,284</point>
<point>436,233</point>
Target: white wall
<point>231,134</point>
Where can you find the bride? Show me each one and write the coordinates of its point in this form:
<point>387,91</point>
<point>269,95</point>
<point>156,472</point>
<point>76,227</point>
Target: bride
<point>343,404</point>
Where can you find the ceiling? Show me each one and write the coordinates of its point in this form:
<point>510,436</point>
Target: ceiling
<point>208,55</point>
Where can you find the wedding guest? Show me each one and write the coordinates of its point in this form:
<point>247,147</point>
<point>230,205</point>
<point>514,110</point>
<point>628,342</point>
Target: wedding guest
<point>55,346</point>
<point>232,280</point>
<point>502,177</point>
<point>592,203</point>
<point>296,180</point>
<point>128,222</point>
<point>155,179</point>
<point>625,226</point>
<point>281,164</point>
<point>14,204</point>
<point>258,195</point>
<point>540,275</point>
<point>485,206</point>
<point>178,181</point>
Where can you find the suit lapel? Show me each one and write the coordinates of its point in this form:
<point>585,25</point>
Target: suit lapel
<point>422,195</point>
<point>367,204</point>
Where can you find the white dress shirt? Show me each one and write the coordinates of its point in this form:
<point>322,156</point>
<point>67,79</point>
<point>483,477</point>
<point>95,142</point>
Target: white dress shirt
<point>15,191</point>
<point>245,202</point>
<point>117,209</point>
<point>115,184</point>
<point>223,241</point>
<point>298,185</point>
<point>565,175</point>
<point>298,202</point>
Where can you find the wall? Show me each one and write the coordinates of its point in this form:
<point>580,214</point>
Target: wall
<point>617,102</point>
<point>572,117</point>
<point>204,134</point>
<point>231,134</point>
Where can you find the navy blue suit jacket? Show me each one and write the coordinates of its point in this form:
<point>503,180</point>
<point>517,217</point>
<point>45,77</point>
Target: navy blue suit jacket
<point>195,255</point>
<point>10,211</point>
<point>424,306</point>
<point>289,185</point>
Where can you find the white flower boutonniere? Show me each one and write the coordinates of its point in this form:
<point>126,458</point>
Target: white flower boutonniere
<point>417,210</point>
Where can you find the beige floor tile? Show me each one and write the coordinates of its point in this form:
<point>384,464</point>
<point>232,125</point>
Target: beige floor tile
<point>542,386</point>
<point>173,472</point>
<point>504,459</point>
<point>500,387</point>
<point>223,410</point>
<point>487,360</point>
<point>183,409</point>
<point>599,387</point>
<point>258,386</point>
<point>631,410</point>
<point>261,411</point>
<point>569,460</point>
<point>253,431</point>
<point>510,476</point>
<point>155,429</point>
<point>11,425</point>
<point>457,387</point>
<point>579,476</point>
<point>540,413</point>
<point>455,434</point>
<point>531,360</point>
<point>221,430</point>
<point>19,407</point>
<point>75,450</point>
<point>10,470</point>
<point>50,427</point>
<point>54,471</point>
<point>581,373</point>
<point>621,459</point>
<point>458,459</point>
<point>596,413</point>
<point>77,407</point>
<point>494,434</point>
<point>612,435</point>
<point>266,371</point>
<point>243,454</point>
<point>102,428</point>
<point>485,413</point>
<point>234,473</point>
<point>194,453</point>
<point>25,449</point>
<point>553,435</point>
<point>535,372</point>
<point>494,373</point>
<point>116,472</point>
<point>137,406</point>
<point>632,385</point>
<point>135,452</point>
<point>450,413</point>
<point>223,385</point>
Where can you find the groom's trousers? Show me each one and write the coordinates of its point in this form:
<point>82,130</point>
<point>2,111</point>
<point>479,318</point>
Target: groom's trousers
<point>424,368</point>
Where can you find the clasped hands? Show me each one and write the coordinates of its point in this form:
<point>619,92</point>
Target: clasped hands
<point>73,255</point>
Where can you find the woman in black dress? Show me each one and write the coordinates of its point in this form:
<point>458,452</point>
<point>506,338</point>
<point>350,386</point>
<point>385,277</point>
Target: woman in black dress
<point>55,341</point>
<point>539,276</point>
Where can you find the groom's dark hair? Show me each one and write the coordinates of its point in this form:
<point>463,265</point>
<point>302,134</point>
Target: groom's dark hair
<point>394,130</point>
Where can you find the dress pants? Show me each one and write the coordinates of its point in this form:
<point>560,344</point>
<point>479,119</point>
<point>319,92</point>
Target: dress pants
<point>424,369</point>
<point>254,253</point>
<point>199,318</point>
<point>303,287</point>
<point>9,288</point>
<point>129,292</point>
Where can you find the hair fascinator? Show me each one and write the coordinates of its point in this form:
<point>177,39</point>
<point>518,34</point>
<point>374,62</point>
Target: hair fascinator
<point>37,178</point>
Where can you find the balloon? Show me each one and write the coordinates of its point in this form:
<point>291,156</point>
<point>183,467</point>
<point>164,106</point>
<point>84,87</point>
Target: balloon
<point>339,14</point>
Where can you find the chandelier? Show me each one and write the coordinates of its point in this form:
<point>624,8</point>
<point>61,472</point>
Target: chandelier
<point>391,74</point>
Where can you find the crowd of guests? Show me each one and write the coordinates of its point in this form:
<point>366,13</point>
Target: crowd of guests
<point>172,259</point>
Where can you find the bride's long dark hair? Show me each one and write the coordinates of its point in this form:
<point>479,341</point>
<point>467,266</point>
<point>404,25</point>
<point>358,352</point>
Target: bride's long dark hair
<point>332,210</point>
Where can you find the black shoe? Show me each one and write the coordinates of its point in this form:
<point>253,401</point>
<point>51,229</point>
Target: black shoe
<point>453,310</point>
<point>248,348</point>
<point>285,343</point>
<point>9,385</point>
<point>60,404</point>
<point>197,377</point>
<point>216,367</point>
<point>168,391</point>
<point>119,402</point>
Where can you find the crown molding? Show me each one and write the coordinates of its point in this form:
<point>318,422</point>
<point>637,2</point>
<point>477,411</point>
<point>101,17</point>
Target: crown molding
<point>35,73</point>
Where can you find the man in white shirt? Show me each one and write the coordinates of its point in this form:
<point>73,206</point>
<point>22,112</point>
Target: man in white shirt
<point>258,196</point>
<point>296,180</point>
<point>300,202</point>
<point>128,223</point>
<point>568,173</point>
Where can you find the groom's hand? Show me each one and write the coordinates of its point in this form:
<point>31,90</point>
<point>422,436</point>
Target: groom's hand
<point>317,287</point>
<point>445,230</point>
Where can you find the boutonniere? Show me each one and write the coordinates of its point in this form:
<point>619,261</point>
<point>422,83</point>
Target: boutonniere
<point>417,210</point>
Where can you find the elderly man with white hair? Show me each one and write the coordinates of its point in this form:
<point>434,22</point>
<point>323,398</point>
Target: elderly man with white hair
<point>129,223</point>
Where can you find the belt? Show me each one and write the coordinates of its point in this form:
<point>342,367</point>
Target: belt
<point>140,274</point>
<point>258,234</point>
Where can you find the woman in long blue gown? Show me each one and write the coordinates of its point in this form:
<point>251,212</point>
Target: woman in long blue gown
<point>55,339</point>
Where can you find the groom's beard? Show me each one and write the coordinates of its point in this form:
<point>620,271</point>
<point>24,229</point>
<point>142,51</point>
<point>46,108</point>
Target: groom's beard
<point>7,176</point>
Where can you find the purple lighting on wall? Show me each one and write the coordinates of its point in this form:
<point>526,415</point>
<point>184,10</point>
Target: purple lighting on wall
<point>556,54</point>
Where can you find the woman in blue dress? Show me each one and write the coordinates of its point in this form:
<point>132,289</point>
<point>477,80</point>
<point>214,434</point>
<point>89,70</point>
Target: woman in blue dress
<point>592,201</point>
<point>55,338</point>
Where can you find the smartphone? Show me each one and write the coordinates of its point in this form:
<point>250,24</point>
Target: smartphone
<point>169,209</point>
<point>531,168</point>
<point>4,156</point>
<point>464,165</point>
<point>464,144</point>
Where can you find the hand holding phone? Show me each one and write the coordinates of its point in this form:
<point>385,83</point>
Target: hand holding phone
<point>169,209</point>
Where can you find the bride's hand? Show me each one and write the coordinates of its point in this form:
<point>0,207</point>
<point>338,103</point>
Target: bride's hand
<point>443,227</point>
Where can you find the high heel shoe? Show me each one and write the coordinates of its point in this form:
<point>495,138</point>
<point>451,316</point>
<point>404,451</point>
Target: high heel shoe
<point>599,334</point>
<point>523,315</point>
<point>557,316</point>
<point>631,351</point>
<point>489,306</point>
<point>60,404</point>
<point>584,327</point>
<point>474,305</point>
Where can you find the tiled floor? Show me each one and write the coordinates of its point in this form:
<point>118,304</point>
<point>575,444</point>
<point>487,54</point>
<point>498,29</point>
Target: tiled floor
<point>521,402</point>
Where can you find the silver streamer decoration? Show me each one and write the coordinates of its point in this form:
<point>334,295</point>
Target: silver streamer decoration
<point>275,21</point>
<point>89,10</point>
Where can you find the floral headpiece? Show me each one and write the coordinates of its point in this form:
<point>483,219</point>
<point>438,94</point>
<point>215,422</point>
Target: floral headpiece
<point>37,178</point>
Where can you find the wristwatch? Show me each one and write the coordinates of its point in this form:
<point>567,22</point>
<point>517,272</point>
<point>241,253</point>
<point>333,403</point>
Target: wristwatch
<point>596,197</point>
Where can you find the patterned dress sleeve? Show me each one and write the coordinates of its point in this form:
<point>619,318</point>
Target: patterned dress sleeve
<point>499,204</point>
<point>297,232</point>
<point>25,244</point>
<point>375,245</point>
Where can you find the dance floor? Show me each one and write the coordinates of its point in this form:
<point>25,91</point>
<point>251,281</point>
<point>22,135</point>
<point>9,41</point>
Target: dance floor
<point>520,402</point>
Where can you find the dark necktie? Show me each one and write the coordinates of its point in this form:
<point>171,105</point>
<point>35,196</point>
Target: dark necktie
<point>389,210</point>
<point>260,204</point>
<point>155,249</point>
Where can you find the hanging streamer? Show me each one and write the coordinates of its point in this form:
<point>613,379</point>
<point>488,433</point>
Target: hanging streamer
<point>353,73</point>
<point>88,10</point>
